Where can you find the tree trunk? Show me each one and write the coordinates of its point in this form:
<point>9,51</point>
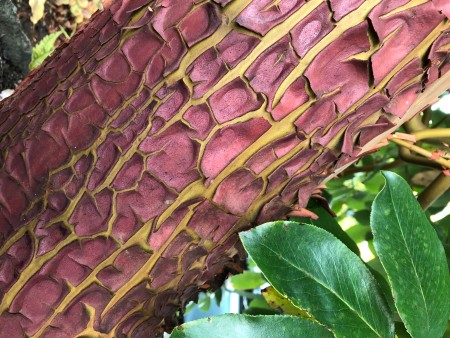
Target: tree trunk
<point>130,160</point>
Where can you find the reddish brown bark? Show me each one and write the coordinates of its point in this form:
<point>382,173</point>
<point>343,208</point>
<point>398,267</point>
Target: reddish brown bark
<point>130,160</point>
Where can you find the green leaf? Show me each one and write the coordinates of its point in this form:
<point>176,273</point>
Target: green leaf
<point>374,184</point>
<point>384,286</point>
<point>204,303</point>
<point>413,258</point>
<point>250,263</point>
<point>43,49</point>
<point>357,202</point>
<point>244,326</point>
<point>328,223</point>
<point>278,301</point>
<point>247,280</point>
<point>189,307</point>
<point>248,294</point>
<point>362,217</point>
<point>260,303</point>
<point>358,233</point>
<point>254,311</point>
<point>218,296</point>
<point>319,274</point>
<point>260,307</point>
<point>400,330</point>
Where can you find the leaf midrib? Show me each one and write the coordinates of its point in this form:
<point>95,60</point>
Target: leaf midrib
<point>324,286</point>
<point>410,257</point>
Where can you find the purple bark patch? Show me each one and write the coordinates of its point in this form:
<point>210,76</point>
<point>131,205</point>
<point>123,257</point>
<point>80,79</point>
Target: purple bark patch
<point>220,151</point>
<point>233,100</point>
<point>237,192</point>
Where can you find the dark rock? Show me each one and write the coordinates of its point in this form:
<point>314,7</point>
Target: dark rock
<point>15,48</point>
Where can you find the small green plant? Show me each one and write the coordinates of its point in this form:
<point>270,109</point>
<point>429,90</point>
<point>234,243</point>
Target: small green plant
<point>43,49</point>
<point>326,290</point>
<point>47,46</point>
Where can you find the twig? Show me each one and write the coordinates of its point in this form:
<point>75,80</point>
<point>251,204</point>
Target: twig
<point>432,134</point>
<point>435,190</point>
<point>443,162</point>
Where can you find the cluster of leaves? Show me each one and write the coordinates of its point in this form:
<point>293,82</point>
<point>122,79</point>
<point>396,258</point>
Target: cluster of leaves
<point>323,289</point>
<point>352,195</point>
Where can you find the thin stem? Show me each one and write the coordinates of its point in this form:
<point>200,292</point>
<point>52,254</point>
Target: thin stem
<point>432,134</point>
<point>405,155</point>
<point>415,125</point>
<point>427,116</point>
<point>435,190</point>
<point>443,162</point>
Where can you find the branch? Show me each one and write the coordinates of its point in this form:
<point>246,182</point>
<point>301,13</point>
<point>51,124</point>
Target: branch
<point>435,190</point>
<point>416,127</point>
<point>440,134</point>
<point>406,145</point>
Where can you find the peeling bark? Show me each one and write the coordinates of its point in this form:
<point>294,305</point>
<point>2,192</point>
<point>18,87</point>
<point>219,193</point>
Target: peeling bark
<point>133,156</point>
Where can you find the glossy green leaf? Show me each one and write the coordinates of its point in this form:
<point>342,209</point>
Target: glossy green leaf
<point>413,258</point>
<point>319,274</point>
<point>383,284</point>
<point>245,326</point>
<point>247,280</point>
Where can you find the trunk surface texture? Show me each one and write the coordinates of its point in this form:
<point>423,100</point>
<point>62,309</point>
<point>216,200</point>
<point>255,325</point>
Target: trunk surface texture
<point>132,157</point>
